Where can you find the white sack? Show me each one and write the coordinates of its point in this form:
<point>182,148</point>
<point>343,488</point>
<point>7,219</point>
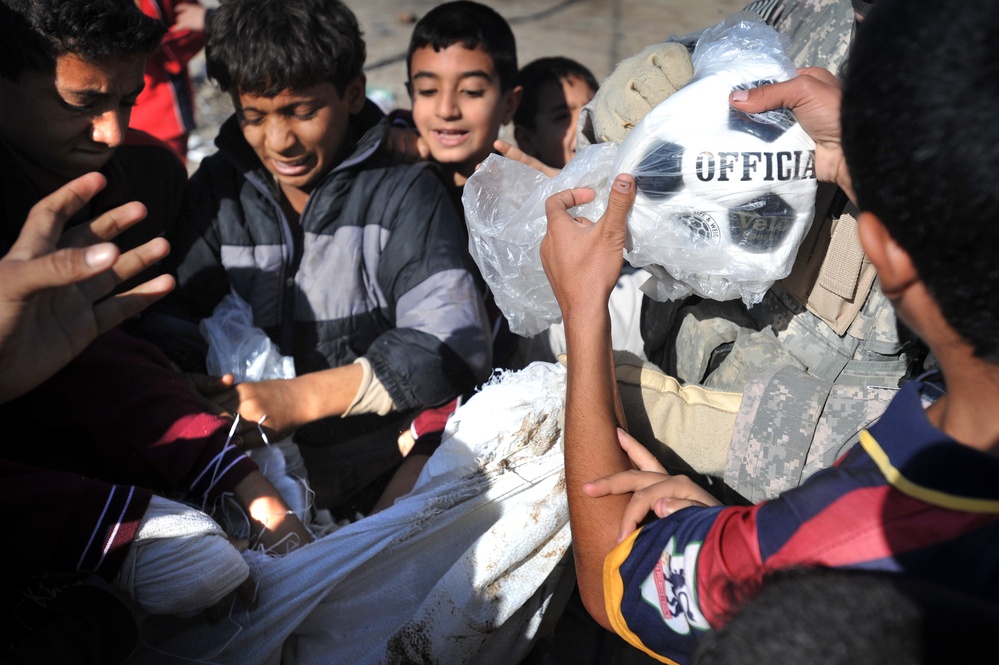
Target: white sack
<point>461,570</point>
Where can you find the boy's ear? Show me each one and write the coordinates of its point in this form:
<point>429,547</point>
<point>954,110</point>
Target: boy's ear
<point>511,100</point>
<point>894,265</point>
<point>355,93</point>
<point>525,140</point>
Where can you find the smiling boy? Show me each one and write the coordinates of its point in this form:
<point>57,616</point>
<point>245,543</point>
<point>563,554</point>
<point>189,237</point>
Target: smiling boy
<point>353,264</point>
<point>462,66</point>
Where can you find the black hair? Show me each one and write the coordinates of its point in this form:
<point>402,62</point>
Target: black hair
<point>472,25</point>
<point>853,617</point>
<point>264,47</point>
<point>37,32</point>
<point>922,145</point>
<point>536,75</point>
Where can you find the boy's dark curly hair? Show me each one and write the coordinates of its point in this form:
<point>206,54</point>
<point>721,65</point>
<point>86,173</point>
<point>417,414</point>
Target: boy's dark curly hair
<point>263,47</point>
<point>920,138</point>
<point>472,25</point>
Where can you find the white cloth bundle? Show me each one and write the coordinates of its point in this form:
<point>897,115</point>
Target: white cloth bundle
<point>180,561</point>
<point>461,570</point>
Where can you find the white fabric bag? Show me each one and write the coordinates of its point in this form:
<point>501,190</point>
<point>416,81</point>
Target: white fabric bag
<point>461,570</point>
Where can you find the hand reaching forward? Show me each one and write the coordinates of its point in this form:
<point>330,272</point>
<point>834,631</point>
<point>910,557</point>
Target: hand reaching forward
<point>406,145</point>
<point>653,490</point>
<point>273,405</point>
<point>516,154</point>
<point>815,96</point>
<point>581,259</point>
<point>189,16</point>
<point>53,284</point>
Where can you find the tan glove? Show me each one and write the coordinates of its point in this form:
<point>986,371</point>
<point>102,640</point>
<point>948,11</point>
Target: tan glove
<point>635,86</point>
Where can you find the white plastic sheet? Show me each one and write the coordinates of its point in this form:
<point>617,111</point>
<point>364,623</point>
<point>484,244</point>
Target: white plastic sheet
<point>724,197</point>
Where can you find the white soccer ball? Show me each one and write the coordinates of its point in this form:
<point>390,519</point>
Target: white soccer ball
<point>724,197</point>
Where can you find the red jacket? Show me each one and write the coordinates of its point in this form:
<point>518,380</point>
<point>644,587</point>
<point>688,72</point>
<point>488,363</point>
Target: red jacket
<point>165,108</point>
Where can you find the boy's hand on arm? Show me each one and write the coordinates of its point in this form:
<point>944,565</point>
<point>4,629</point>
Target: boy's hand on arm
<point>652,489</point>
<point>516,154</point>
<point>815,96</point>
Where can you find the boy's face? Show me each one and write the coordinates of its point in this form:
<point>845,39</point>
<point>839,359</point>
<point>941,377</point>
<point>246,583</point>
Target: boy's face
<point>458,106</point>
<point>65,125</point>
<point>299,135</point>
<point>553,139</point>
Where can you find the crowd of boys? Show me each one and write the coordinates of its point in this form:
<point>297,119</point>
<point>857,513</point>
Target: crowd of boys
<point>347,239</point>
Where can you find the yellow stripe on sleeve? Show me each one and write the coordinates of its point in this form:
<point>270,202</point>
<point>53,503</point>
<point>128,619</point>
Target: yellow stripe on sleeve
<point>909,488</point>
<point>614,594</point>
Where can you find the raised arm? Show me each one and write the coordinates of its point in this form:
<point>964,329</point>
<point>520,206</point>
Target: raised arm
<point>583,262</point>
<point>53,284</point>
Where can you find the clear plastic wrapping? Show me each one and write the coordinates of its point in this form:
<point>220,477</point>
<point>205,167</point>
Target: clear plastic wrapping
<point>724,197</point>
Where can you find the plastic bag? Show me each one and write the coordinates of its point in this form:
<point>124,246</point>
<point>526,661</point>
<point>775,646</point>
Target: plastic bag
<point>722,238</point>
<point>237,347</point>
<point>724,197</point>
<point>504,203</point>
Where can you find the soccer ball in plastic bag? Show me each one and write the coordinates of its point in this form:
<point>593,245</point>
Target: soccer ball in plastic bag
<point>724,197</point>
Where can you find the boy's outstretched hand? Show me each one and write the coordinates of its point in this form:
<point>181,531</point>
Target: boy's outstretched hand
<point>53,285</point>
<point>406,145</point>
<point>516,154</point>
<point>189,16</point>
<point>581,259</point>
<point>583,262</point>
<point>652,489</point>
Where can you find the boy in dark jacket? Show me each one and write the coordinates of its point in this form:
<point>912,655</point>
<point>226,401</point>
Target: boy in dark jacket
<point>353,264</point>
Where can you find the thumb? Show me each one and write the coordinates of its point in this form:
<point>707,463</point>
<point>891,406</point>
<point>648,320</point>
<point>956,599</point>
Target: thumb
<point>766,97</point>
<point>622,197</point>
